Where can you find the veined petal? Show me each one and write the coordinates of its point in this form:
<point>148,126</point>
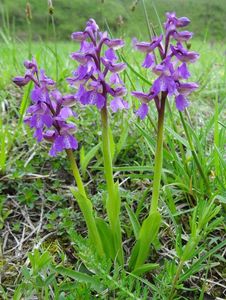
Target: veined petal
<point>181,102</point>
<point>148,61</point>
<point>110,55</point>
<point>183,72</point>
<point>118,104</point>
<point>96,99</point>
<point>142,111</point>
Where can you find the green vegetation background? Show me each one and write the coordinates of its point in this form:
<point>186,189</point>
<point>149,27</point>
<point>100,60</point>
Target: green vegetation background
<point>124,16</point>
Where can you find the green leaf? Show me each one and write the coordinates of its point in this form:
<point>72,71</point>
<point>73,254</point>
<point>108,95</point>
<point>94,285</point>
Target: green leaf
<point>145,268</point>
<point>134,71</point>
<point>134,221</point>
<point>80,277</point>
<point>3,151</point>
<point>147,235</point>
<point>178,137</point>
<point>50,279</point>
<point>198,264</point>
<point>87,209</point>
<point>24,102</point>
<point>44,260</point>
<point>134,254</point>
<point>106,237</point>
<point>18,293</point>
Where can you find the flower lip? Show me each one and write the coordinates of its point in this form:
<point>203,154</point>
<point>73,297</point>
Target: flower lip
<point>118,104</point>
<point>181,102</point>
<point>49,135</point>
<point>142,111</point>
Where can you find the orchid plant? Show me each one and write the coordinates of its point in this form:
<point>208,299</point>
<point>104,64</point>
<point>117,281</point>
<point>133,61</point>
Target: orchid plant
<point>96,81</point>
<point>172,70</point>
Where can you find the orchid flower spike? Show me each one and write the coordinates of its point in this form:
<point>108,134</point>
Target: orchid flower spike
<point>172,69</point>
<point>97,75</point>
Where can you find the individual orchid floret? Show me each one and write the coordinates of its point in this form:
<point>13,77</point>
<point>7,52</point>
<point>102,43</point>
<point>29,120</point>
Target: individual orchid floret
<point>149,47</point>
<point>29,75</point>
<point>49,111</point>
<point>97,75</point>
<point>183,55</point>
<point>172,69</point>
<point>172,22</point>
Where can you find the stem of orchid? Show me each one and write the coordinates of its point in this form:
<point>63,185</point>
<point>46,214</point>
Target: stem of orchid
<point>179,269</point>
<point>113,201</point>
<point>158,156</point>
<point>107,152</point>
<point>75,171</point>
<point>85,205</point>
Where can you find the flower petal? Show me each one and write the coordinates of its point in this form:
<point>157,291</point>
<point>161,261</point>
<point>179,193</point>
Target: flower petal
<point>142,111</point>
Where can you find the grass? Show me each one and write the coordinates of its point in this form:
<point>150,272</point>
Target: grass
<point>38,212</point>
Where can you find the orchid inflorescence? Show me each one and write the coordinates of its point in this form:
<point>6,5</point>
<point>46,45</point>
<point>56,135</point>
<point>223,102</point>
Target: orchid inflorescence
<point>173,66</point>
<point>95,78</point>
<point>98,76</point>
<point>49,111</point>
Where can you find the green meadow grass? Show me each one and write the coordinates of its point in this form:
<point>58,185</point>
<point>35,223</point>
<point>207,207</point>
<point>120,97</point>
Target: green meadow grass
<point>194,173</point>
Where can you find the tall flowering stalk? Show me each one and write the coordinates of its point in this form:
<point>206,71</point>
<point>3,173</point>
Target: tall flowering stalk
<point>47,116</point>
<point>171,72</point>
<point>97,79</point>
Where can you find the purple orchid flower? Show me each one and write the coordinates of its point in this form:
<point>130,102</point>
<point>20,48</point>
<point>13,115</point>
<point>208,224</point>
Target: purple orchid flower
<point>49,111</point>
<point>97,76</point>
<point>173,66</point>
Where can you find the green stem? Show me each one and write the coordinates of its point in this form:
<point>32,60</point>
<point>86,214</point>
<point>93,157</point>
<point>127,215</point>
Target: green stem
<point>113,201</point>
<point>76,173</point>
<point>107,153</point>
<point>85,205</point>
<point>55,44</point>
<point>158,157</point>
<point>146,18</point>
<point>179,269</point>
